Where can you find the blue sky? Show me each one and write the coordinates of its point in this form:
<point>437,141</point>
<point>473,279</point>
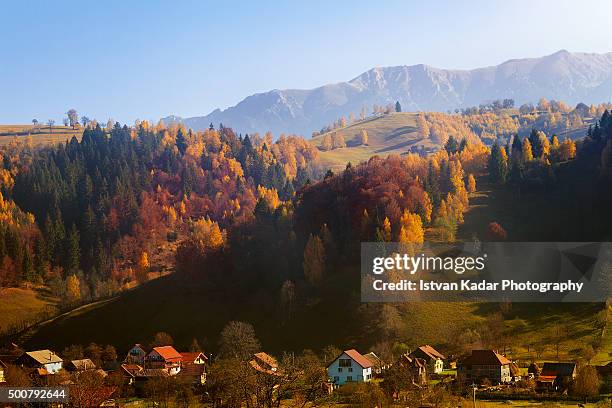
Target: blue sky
<point>148,59</point>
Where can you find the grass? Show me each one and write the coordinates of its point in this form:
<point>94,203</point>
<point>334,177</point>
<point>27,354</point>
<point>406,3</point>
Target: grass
<point>39,135</point>
<point>395,133</point>
<point>22,304</point>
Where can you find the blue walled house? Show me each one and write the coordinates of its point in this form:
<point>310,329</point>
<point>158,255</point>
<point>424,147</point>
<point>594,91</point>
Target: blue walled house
<point>348,367</point>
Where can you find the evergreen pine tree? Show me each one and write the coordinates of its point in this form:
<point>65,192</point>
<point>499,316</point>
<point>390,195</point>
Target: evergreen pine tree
<point>498,168</point>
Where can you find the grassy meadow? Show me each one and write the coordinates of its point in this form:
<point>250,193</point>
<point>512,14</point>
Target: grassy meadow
<point>41,134</point>
<point>394,133</point>
<point>23,304</point>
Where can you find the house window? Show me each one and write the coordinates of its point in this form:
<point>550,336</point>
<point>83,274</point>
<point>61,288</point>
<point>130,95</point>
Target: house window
<point>349,378</point>
<point>336,378</point>
<point>350,370</point>
<point>344,362</point>
<point>339,369</point>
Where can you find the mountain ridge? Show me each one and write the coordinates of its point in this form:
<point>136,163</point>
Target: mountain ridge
<point>571,77</point>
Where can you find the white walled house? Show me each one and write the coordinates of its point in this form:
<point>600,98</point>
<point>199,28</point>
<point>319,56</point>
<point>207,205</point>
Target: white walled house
<point>46,360</point>
<point>350,366</point>
<point>433,358</point>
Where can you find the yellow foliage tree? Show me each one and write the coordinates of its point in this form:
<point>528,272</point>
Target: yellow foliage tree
<point>567,151</point>
<point>387,229</point>
<point>326,143</point>
<point>527,151</point>
<point>471,183</point>
<point>270,196</point>
<point>363,137</point>
<point>411,228</point>
<point>143,262</point>
<point>73,289</point>
<point>427,208</point>
<point>208,234</point>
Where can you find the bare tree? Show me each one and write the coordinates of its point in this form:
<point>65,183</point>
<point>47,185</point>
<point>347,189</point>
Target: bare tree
<point>238,340</point>
<point>50,122</point>
<point>73,117</point>
<point>587,383</point>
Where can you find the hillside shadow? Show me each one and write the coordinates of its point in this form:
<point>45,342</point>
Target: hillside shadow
<point>399,132</point>
<point>407,143</point>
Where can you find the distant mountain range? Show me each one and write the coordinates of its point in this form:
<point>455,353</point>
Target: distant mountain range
<point>571,77</point>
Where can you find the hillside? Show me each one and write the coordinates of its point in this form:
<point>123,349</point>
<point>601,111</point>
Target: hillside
<point>395,133</point>
<point>571,77</point>
<point>185,313</point>
<point>39,135</point>
<point>19,306</point>
<point>188,311</point>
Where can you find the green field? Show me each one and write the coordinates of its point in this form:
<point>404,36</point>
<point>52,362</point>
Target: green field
<point>39,135</point>
<point>394,133</point>
<point>187,312</point>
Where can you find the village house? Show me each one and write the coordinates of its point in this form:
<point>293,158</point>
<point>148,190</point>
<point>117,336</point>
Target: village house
<point>378,366</point>
<point>433,358</point>
<point>129,372</point>
<point>84,364</point>
<point>195,357</point>
<point>556,376</point>
<point>136,355</point>
<point>415,367</point>
<point>264,363</point>
<point>350,366</point>
<point>484,365</point>
<point>164,357</point>
<point>45,361</point>
<point>194,366</point>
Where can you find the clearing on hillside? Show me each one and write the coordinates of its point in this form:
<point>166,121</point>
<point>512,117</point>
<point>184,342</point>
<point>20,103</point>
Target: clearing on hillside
<point>393,133</point>
<point>40,134</point>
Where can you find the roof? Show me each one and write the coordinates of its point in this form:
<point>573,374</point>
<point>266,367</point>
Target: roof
<point>556,369</point>
<point>356,357</point>
<point>168,353</point>
<point>131,369</point>
<point>264,363</point>
<point>44,356</point>
<point>152,372</point>
<point>373,358</point>
<point>485,357</point>
<point>266,358</point>
<point>431,352</point>
<point>83,364</point>
<point>192,370</point>
<point>408,360</point>
<point>191,356</point>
